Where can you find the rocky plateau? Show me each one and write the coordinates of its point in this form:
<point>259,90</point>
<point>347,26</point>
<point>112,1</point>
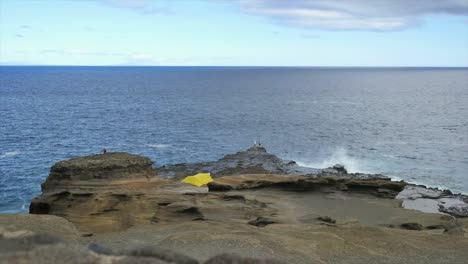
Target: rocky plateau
<point>117,208</point>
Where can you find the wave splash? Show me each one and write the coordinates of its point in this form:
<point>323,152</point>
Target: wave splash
<point>10,154</point>
<point>339,156</point>
<point>159,146</point>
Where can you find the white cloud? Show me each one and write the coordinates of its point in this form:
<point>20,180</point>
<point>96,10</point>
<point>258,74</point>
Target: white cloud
<point>378,15</point>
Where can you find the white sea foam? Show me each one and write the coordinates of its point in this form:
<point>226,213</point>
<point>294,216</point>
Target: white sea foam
<point>344,102</point>
<point>159,146</point>
<point>339,156</point>
<point>10,154</point>
<point>394,178</point>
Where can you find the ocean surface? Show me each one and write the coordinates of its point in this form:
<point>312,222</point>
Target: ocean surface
<point>408,123</point>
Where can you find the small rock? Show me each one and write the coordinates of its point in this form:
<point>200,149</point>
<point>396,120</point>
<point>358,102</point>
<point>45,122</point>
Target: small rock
<point>326,219</point>
<point>454,228</point>
<point>432,227</point>
<point>261,222</point>
<point>96,248</point>
<point>159,253</point>
<point>236,259</point>
<point>412,226</point>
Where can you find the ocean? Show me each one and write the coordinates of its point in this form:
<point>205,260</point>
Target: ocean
<point>407,123</point>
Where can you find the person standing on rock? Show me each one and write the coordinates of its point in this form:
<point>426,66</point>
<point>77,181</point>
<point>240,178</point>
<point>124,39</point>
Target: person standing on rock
<point>104,151</point>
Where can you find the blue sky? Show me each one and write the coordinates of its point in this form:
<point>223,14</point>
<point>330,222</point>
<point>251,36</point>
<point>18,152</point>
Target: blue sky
<point>235,32</point>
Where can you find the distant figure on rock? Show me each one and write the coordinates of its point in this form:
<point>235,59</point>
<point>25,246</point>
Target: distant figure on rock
<point>104,151</point>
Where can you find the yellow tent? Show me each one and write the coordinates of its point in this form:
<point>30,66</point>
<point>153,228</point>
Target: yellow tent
<point>199,179</point>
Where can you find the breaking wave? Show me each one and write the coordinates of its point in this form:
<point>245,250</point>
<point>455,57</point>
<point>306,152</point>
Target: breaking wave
<point>10,154</point>
<point>339,156</point>
<point>159,146</point>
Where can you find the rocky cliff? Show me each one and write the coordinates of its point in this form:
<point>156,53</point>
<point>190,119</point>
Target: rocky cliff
<point>257,204</point>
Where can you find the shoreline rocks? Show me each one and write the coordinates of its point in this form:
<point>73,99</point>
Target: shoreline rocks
<point>258,206</point>
<point>433,201</point>
<point>123,189</point>
<point>255,160</point>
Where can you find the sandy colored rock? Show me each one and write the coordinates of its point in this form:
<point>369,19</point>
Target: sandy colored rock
<point>250,213</point>
<point>298,243</point>
<point>42,224</point>
<point>112,165</point>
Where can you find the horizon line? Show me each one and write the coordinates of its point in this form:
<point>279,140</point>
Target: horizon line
<point>225,66</point>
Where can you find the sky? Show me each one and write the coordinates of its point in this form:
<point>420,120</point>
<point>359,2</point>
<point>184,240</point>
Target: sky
<point>235,32</point>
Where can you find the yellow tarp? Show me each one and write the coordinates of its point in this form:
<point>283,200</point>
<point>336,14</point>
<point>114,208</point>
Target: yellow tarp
<point>199,179</point>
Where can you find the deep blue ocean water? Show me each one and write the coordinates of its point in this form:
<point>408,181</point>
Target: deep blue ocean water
<point>408,123</point>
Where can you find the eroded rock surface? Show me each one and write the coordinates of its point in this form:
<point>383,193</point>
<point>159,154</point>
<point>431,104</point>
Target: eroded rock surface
<point>116,191</point>
<point>24,224</point>
<point>377,186</point>
<point>433,201</point>
<point>258,206</point>
<point>230,242</point>
<point>45,249</point>
<point>255,160</point>
<point>110,166</point>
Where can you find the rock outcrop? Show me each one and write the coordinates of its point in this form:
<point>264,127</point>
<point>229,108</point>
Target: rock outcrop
<point>433,201</point>
<point>116,191</point>
<point>255,160</point>
<point>109,166</point>
<point>258,206</point>
<point>377,186</point>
